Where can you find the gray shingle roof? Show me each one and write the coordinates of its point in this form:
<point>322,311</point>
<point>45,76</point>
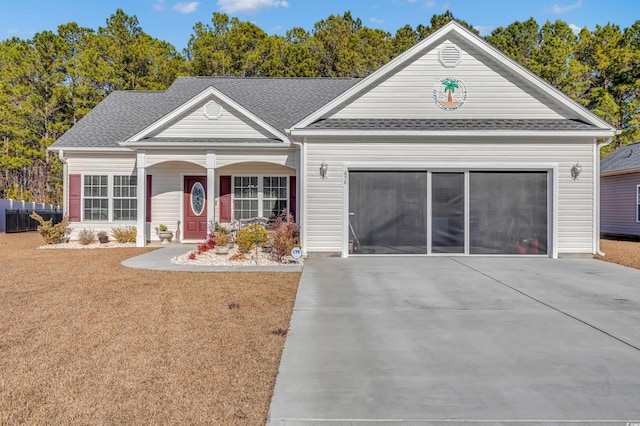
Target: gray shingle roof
<point>281,102</point>
<point>450,124</point>
<point>626,157</point>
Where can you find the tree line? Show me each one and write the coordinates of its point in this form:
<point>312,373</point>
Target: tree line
<point>49,82</point>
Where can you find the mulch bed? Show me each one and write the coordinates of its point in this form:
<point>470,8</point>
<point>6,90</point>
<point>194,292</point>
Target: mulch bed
<point>625,253</point>
<point>84,340</point>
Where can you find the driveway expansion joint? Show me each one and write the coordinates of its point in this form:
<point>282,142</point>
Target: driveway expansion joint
<point>548,305</point>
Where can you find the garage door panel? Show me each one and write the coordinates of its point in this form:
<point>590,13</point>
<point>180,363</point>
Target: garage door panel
<point>508,212</point>
<point>388,212</point>
<point>447,221</point>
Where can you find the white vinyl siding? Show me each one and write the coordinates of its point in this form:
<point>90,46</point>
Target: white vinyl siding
<point>101,164</point>
<point>193,157</point>
<point>324,208</point>
<point>620,202</point>
<point>258,158</point>
<point>231,124</point>
<point>490,94</point>
<point>167,189</point>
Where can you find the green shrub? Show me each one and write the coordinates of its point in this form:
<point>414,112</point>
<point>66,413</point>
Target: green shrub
<point>86,236</point>
<point>125,234</point>
<point>52,234</point>
<point>251,236</point>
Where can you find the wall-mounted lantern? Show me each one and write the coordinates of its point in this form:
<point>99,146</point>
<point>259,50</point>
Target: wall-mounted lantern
<point>323,169</point>
<point>575,171</point>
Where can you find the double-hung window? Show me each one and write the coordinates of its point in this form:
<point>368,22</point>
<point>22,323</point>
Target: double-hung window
<point>125,203</point>
<point>274,196</point>
<point>259,196</point>
<point>96,197</point>
<point>110,198</point>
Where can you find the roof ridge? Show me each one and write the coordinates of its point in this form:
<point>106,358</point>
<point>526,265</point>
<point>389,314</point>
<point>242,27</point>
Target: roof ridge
<point>233,77</point>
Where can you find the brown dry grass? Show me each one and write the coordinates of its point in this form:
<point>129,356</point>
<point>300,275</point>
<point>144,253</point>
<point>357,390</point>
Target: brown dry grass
<point>625,253</point>
<point>84,340</point>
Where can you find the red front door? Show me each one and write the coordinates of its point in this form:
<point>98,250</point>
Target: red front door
<point>195,207</point>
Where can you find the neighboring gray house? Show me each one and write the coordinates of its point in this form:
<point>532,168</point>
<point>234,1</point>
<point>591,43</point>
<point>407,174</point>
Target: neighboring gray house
<point>620,192</point>
<point>451,148</point>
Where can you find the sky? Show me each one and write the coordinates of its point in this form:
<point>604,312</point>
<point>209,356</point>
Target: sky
<point>173,21</point>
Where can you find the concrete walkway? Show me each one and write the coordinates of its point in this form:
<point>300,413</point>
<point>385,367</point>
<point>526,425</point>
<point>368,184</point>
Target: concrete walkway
<point>383,340</point>
<point>161,260</point>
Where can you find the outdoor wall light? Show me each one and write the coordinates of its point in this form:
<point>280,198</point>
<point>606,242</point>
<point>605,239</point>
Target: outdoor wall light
<point>323,169</point>
<point>575,171</point>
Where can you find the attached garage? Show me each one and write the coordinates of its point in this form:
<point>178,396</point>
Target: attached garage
<point>449,212</point>
<point>451,149</point>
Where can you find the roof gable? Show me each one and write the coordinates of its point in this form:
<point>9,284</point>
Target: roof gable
<point>491,86</point>
<point>278,102</point>
<point>192,120</point>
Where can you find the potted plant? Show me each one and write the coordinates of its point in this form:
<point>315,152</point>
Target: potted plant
<point>222,243</point>
<point>164,234</point>
<point>103,237</point>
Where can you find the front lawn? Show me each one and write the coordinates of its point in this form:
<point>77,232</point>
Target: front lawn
<point>84,340</point>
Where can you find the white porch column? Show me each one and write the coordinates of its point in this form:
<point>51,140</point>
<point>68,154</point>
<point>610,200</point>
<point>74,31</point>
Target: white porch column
<point>301,194</point>
<point>211,186</point>
<point>141,225</point>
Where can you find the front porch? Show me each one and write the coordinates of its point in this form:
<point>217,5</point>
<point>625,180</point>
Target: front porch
<point>189,193</point>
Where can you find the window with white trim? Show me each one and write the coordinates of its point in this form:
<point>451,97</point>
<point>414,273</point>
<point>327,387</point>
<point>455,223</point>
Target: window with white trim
<point>638,203</point>
<point>274,196</point>
<point>260,196</point>
<point>96,197</point>
<point>125,202</point>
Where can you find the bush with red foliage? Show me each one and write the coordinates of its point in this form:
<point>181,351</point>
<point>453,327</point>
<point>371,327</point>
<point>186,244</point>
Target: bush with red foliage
<point>285,237</point>
<point>210,242</point>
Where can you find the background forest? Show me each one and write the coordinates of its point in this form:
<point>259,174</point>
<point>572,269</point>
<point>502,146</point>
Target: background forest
<point>49,82</point>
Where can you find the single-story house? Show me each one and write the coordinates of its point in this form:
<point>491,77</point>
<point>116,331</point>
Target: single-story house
<point>620,192</point>
<point>450,148</point>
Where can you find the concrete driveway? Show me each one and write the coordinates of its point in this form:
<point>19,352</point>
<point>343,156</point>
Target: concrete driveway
<point>382,340</point>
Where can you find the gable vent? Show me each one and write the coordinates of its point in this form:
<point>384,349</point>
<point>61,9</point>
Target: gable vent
<point>450,56</point>
<point>212,110</point>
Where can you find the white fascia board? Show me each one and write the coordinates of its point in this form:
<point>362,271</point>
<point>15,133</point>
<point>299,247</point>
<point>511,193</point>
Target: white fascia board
<point>481,44</point>
<point>200,98</point>
<point>599,133</point>
<point>496,165</point>
<point>620,172</point>
<point>92,150</point>
<point>204,145</point>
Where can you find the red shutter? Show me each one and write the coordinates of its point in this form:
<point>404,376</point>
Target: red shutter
<point>225,199</point>
<point>292,198</point>
<point>148,194</point>
<point>75,197</point>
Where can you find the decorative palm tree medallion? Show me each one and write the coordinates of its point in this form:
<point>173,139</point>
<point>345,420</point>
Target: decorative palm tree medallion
<point>197,198</point>
<point>449,93</point>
